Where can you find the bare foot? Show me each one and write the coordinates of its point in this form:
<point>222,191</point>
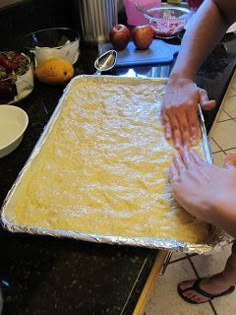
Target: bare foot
<point>211,286</point>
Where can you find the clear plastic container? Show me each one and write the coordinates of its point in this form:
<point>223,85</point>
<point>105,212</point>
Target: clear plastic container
<point>134,17</point>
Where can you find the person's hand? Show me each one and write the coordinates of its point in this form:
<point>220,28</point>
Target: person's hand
<point>204,190</point>
<point>180,111</point>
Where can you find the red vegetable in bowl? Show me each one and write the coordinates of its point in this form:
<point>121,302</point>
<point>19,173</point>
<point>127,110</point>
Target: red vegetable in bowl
<point>19,58</point>
<point>168,28</point>
<point>12,65</point>
<point>8,65</point>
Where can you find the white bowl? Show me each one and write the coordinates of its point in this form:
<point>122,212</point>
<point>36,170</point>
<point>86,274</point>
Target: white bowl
<point>13,123</point>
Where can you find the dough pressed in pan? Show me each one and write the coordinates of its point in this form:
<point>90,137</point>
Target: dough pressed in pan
<point>103,167</point>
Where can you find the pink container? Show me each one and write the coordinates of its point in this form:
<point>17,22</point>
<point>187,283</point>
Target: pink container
<point>134,17</point>
<point>194,4</point>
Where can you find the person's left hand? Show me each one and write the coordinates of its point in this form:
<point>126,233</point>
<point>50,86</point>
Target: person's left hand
<point>179,111</point>
<point>201,188</point>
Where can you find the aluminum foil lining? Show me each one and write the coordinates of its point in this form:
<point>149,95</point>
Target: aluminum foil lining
<point>218,237</point>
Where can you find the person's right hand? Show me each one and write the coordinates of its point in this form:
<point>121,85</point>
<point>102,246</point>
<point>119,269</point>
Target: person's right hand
<point>205,190</point>
<point>180,111</point>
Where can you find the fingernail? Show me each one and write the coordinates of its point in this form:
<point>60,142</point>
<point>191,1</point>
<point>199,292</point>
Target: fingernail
<point>186,146</point>
<point>168,135</point>
<point>178,146</point>
<point>194,140</point>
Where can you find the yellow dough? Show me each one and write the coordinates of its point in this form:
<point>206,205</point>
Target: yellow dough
<point>103,167</point>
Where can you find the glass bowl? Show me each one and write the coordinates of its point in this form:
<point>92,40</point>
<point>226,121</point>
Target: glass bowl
<point>16,76</point>
<point>167,21</point>
<point>57,42</point>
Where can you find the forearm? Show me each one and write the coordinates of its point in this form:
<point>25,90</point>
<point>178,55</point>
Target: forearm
<point>206,30</point>
<point>223,215</point>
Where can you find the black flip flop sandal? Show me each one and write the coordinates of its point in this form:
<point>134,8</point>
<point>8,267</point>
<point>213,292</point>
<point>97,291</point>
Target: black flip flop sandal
<point>195,287</point>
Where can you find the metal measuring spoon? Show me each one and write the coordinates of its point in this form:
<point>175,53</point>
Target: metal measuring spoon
<point>105,62</point>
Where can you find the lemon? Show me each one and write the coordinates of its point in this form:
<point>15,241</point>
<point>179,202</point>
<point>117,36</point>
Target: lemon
<point>55,71</point>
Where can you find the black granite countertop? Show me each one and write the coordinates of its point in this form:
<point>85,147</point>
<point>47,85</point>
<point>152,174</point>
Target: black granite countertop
<point>44,275</point>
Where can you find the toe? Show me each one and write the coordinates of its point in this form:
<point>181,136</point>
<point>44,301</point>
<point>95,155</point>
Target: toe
<point>186,284</point>
<point>194,296</point>
<point>189,294</point>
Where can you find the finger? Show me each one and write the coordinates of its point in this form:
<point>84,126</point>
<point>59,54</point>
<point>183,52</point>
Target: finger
<point>194,126</point>
<point>163,114</point>
<point>206,104</point>
<point>230,160</point>
<point>177,138</point>
<point>175,130</point>
<point>178,163</point>
<point>167,126</point>
<point>173,174</point>
<point>187,158</point>
<point>184,127</point>
<point>197,159</point>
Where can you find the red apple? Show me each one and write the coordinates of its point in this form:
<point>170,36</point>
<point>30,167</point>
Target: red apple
<point>119,36</point>
<point>142,36</point>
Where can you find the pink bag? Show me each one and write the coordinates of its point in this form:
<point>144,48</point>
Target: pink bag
<point>134,17</point>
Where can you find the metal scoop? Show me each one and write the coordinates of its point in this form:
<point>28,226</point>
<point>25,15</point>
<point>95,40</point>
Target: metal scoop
<point>105,62</point>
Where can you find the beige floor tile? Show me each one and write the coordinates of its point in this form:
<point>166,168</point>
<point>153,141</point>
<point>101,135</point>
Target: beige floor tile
<point>231,91</point>
<point>229,151</point>
<point>209,265</point>
<point>214,146</point>
<point>229,106</point>
<point>224,134</point>
<point>177,255</point>
<point>165,300</point>
<point>223,116</point>
<point>233,82</point>
<point>218,158</point>
<point>226,305</point>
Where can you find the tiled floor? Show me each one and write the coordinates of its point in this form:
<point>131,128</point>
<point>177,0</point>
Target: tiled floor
<point>164,298</point>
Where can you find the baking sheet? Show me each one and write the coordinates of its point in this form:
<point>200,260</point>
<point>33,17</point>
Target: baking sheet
<point>218,238</point>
